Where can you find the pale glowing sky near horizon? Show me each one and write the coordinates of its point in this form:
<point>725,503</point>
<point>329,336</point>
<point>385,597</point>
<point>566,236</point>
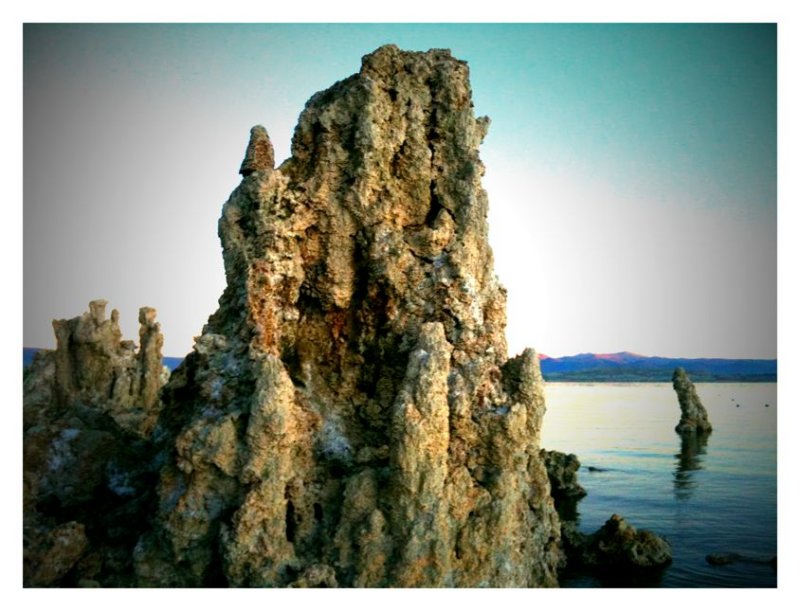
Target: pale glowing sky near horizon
<point>631,171</point>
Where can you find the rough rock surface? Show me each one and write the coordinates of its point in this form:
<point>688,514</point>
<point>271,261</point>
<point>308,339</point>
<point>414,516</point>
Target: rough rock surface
<point>693,415</point>
<point>95,366</point>
<point>562,470</point>
<point>349,416</point>
<point>260,155</point>
<point>88,407</point>
<point>618,546</point>
<point>59,551</point>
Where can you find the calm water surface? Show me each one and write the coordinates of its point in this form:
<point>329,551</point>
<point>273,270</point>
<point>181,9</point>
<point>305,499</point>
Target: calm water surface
<point>705,498</point>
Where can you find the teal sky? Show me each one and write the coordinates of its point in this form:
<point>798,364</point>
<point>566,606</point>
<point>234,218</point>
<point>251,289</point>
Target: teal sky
<point>631,170</point>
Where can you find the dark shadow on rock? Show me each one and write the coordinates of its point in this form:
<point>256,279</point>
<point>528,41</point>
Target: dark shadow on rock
<point>689,460</point>
<point>562,471</point>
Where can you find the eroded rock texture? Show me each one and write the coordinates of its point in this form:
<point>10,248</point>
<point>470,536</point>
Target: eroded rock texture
<point>562,469</point>
<point>88,477</point>
<point>618,546</point>
<point>693,415</point>
<point>349,415</point>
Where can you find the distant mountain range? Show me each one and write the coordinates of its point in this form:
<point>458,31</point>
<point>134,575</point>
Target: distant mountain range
<point>630,367</point>
<point>618,367</point>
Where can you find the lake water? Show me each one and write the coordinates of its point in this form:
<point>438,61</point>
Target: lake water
<point>705,498</point>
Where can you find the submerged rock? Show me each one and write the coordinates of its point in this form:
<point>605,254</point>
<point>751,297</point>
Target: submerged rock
<point>349,416</point>
<point>723,559</point>
<point>88,408</point>
<point>732,558</point>
<point>693,415</point>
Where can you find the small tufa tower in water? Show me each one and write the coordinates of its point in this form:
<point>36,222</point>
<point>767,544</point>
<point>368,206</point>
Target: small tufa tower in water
<point>694,417</point>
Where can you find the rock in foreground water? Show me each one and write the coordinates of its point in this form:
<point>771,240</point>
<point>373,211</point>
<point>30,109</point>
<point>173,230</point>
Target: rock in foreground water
<point>618,547</point>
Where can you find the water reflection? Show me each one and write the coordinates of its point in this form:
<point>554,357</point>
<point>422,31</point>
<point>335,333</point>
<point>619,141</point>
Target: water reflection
<point>693,448</point>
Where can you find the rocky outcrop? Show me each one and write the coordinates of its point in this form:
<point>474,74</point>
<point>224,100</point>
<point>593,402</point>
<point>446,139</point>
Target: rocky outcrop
<point>94,366</point>
<point>693,415</point>
<point>562,470</point>
<point>618,554</point>
<point>88,471</point>
<point>349,415</point>
<point>618,547</point>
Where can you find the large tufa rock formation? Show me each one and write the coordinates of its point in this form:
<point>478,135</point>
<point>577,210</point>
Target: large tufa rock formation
<point>88,409</point>
<point>349,415</point>
<point>693,415</point>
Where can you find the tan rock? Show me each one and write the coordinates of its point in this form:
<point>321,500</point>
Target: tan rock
<point>94,366</point>
<point>349,415</point>
<point>260,156</point>
<point>88,409</point>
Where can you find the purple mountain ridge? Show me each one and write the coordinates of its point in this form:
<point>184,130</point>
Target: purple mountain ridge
<point>631,367</point>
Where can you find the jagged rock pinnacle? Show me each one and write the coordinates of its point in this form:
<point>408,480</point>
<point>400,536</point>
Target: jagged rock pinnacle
<point>260,155</point>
